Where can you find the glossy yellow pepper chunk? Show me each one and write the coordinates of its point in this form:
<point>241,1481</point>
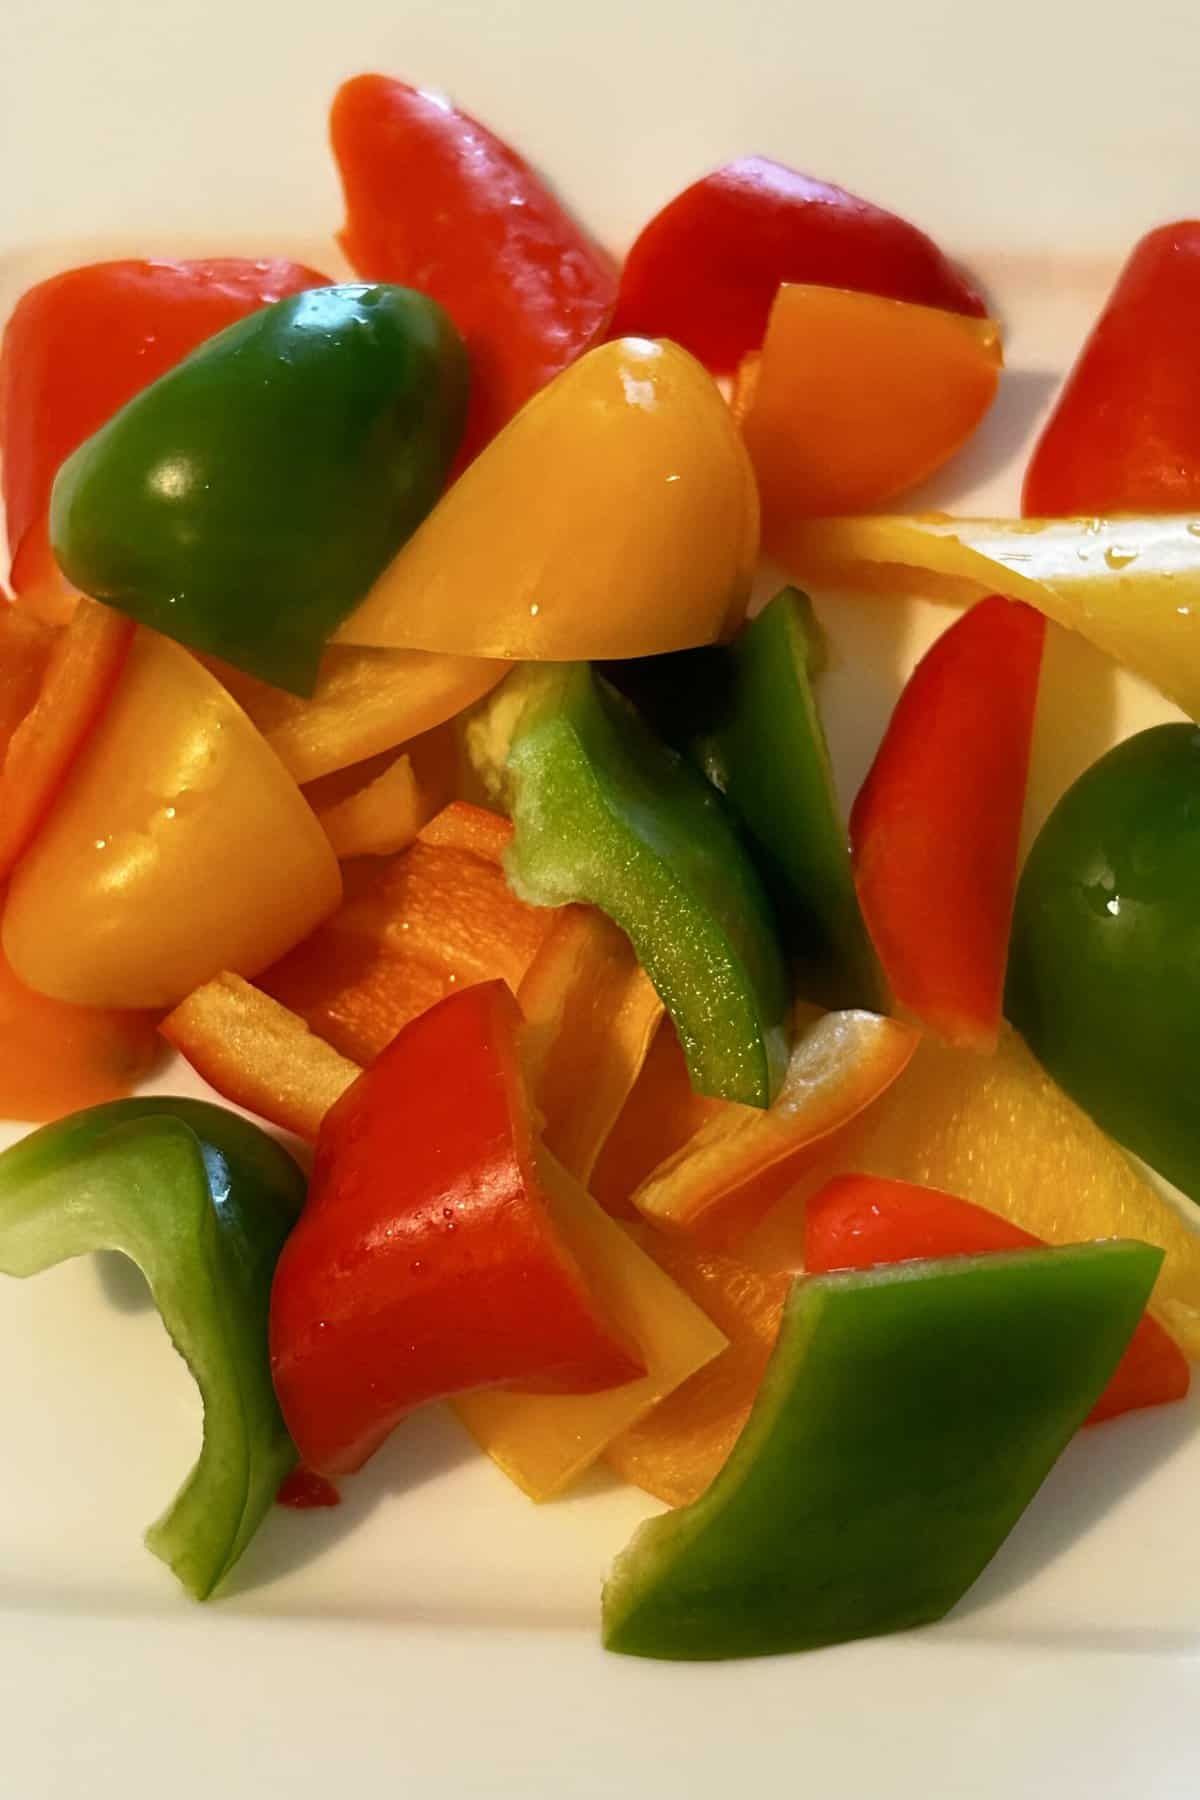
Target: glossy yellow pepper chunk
<point>180,846</point>
<point>616,515</point>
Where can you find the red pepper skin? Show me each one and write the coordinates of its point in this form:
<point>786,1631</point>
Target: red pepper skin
<point>424,1263</point>
<point>705,270</point>
<point>936,826</point>
<point>860,1220</point>
<point>436,201</point>
<point>78,346</point>
<point>1124,435</point>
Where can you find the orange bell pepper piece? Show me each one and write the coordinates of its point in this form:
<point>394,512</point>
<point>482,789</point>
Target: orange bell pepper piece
<point>56,1058</point>
<point>663,1112</point>
<point>858,398</point>
<point>381,817</point>
<point>590,1012</point>
<point>25,646</point>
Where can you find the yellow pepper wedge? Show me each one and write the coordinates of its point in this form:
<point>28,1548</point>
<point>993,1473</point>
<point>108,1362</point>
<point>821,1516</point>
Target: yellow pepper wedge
<point>997,1131</point>
<point>1129,584</point>
<point>616,515</point>
<point>542,1442</point>
<point>179,847</point>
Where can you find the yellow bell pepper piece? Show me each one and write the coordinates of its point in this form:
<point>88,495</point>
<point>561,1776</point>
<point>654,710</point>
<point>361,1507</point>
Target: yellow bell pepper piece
<point>616,515</point>
<point>996,1130</point>
<point>543,1441</point>
<point>1130,585</point>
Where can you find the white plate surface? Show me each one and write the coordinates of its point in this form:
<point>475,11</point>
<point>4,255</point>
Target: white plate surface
<point>437,1635</point>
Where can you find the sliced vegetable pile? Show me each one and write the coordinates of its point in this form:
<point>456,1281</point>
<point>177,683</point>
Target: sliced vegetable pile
<point>382,725</point>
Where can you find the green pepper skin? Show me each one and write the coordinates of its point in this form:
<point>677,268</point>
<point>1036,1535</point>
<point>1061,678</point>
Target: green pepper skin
<point>604,812</point>
<point>907,1417</point>
<point>245,501</point>
<point>1104,966</point>
<point>202,1201</point>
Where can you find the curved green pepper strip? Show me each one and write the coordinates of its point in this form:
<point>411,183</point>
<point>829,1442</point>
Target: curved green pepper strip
<point>907,1417</point>
<point>1104,966</point>
<point>604,812</point>
<point>245,501</point>
<point>201,1201</point>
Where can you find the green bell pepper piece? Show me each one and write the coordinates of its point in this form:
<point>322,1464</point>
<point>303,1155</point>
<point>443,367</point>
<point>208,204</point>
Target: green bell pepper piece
<point>201,1200</point>
<point>907,1417</point>
<point>747,716</point>
<point>245,501</point>
<point>604,812</point>
<point>1104,967</point>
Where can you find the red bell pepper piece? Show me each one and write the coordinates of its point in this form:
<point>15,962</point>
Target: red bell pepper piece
<point>78,346</point>
<point>1124,435</point>
<point>438,202</point>
<point>936,826</point>
<point>706,268</point>
<point>860,1220</point>
<point>424,1263</point>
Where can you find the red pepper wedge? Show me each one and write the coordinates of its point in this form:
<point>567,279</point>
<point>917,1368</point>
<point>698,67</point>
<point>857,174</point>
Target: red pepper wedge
<point>935,829</point>
<point>425,1263</point>
<point>81,344</point>
<point>706,269</point>
<point>857,1221</point>
<point>1124,435</point>
<point>436,201</point>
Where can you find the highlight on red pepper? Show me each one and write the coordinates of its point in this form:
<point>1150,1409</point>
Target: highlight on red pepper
<point>244,503</point>
<point>936,826</point>
<point>201,1201</point>
<point>426,1263</point>
<point>1124,435</point>
<point>861,1221</point>
<point>706,269</point>
<point>436,201</point>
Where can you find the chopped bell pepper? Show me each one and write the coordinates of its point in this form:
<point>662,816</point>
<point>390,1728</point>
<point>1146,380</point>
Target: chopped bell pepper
<point>426,1262</point>
<point>1129,585</point>
<point>55,1058</point>
<point>437,917</point>
<point>178,847</point>
<point>706,269</point>
<point>997,1131</point>
<point>382,817</point>
<point>643,537</point>
<point>859,1221</point>
<point>258,1054</point>
<point>245,502</point>
<point>1103,979</point>
<point>858,398</point>
<point>907,1418</point>
<point>201,1201</point>
<point>936,826</point>
<point>543,1442</point>
<point>25,646</point>
<point>603,812</point>
<point>662,1113</point>
<point>741,1161</point>
<point>81,344</point>
<point>1124,435</point>
<point>437,201</point>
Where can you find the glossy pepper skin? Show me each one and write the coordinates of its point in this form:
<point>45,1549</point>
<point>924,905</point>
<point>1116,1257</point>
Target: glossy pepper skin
<point>604,812</point>
<point>906,1419</point>
<point>437,201</point>
<point>1124,435</point>
<point>81,344</point>
<point>426,1263</point>
<point>1104,974</point>
<point>705,270</point>
<point>244,503</point>
<point>201,1200</point>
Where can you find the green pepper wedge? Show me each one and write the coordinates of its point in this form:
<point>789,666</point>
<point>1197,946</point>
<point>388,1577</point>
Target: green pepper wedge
<point>201,1200</point>
<point>604,812</point>
<point>907,1417</point>
<point>245,501</point>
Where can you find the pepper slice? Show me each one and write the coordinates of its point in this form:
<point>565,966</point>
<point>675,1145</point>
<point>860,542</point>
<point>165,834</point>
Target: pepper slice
<point>604,812</point>
<point>55,1058</point>
<point>201,1201</point>
<point>245,502</point>
<point>906,1420</point>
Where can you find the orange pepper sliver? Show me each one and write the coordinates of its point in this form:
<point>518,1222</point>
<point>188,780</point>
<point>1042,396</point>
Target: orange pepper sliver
<point>56,1058</point>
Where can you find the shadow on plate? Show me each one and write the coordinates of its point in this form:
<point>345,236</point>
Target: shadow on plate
<point>999,448</point>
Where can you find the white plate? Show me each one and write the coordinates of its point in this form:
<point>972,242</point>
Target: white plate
<point>438,1635</point>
